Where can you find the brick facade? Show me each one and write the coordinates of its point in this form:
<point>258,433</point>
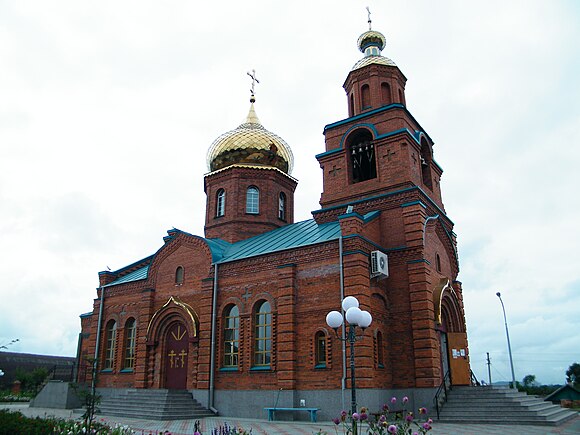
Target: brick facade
<point>398,211</point>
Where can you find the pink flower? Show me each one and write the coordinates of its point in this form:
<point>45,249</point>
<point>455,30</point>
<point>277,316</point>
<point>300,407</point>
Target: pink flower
<point>336,421</point>
<point>392,429</point>
<point>422,410</point>
<point>355,416</point>
<point>363,416</point>
<point>385,407</point>
<point>393,400</point>
<point>426,426</point>
<point>430,420</point>
<point>382,418</point>
<point>405,399</point>
<point>409,418</point>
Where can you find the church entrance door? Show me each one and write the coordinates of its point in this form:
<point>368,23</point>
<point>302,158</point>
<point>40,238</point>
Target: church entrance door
<point>176,345</point>
<point>458,358</point>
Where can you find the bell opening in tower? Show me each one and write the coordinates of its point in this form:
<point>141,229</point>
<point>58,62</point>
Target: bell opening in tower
<point>361,152</point>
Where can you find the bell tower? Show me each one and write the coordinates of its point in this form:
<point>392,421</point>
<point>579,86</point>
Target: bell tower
<point>380,147</point>
<point>381,183</point>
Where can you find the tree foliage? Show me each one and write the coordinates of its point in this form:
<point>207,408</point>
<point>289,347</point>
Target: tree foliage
<point>31,380</point>
<point>573,374</point>
<point>529,380</point>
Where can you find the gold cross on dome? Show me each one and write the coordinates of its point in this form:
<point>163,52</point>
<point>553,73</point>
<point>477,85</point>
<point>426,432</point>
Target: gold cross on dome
<point>254,80</point>
<point>369,15</point>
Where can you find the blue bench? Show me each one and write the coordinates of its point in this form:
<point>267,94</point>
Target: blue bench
<point>272,412</point>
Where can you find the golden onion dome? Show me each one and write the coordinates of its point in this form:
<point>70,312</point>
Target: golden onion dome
<point>371,43</point>
<point>250,144</point>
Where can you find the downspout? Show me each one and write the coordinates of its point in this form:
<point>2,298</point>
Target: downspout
<point>98,342</point>
<point>341,271</point>
<point>213,335</point>
<point>75,370</point>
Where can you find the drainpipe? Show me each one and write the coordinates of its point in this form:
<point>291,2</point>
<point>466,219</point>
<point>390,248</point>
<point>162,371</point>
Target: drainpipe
<point>343,341</point>
<point>98,342</point>
<point>213,336</point>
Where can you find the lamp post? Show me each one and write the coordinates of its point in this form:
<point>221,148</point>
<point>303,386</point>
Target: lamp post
<point>355,317</point>
<point>498,294</point>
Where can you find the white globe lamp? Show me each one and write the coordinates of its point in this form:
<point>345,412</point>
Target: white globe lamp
<point>334,319</point>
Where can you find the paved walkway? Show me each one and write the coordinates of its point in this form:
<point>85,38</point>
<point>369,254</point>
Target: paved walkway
<point>263,427</point>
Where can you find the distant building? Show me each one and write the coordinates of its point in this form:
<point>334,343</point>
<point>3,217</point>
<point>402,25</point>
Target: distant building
<point>238,317</point>
<point>566,393</point>
<point>10,361</point>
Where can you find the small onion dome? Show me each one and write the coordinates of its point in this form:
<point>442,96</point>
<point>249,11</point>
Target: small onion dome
<point>250,144</point>
<point>371,37</point>
<point>371,43</point>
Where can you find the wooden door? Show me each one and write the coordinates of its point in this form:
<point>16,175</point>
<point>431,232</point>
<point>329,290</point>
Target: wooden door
<point>176,347</point>
<point>458,358</point>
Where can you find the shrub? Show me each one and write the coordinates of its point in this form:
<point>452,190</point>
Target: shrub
<point>384,422</point>
<point>17,423</point>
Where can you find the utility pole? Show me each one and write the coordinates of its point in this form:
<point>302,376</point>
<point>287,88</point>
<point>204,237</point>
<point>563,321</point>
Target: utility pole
<point>489,368</point>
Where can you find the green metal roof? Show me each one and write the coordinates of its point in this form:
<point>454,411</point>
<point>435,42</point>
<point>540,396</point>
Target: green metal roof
<point>287,237</point>
<point>290,236</point>
<point>136,275</point>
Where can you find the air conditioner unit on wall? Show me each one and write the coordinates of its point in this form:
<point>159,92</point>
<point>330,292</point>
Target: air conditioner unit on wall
<point>379,264</point>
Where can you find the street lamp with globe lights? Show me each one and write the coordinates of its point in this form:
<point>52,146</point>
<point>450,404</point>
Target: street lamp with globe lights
<point>355,317</point>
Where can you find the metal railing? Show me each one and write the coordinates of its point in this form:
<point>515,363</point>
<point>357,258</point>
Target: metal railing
<point>473,379</point>
<point>441,394</point>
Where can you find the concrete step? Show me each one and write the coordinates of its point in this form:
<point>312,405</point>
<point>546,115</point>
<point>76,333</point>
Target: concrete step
<point>502,406</point>
<point>520,421</point>
<point>153,404</point>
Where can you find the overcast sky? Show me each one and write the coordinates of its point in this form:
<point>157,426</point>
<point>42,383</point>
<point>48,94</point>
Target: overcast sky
<point>107,110</point>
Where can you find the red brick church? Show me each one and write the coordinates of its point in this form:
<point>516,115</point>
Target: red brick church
<point>237,317</point>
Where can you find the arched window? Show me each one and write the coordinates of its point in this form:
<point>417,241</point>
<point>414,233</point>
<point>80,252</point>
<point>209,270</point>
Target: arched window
<point>320,349</point>
<point>438,262</point>
<point>110,344</point>
<point>252,200</point>
<point>386,94</point>
<point>231,336</point>
<point>379,350</point>
<point>220,208</point>
<point>351,106</point>
<point>179,274</point>
<point>263,335</point>
<point>129,347</point>
<point>365,92</point>
<point>362,156</point>
<point>426,164</point>
<point>282,206</point>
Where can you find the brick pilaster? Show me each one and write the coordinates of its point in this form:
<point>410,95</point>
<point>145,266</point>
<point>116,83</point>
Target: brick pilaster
<point>286,324</point>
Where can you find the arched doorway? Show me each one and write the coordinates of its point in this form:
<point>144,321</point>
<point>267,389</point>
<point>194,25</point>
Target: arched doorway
<point>172,347</point>
<point>175,358</point>
<point>453,338</point>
